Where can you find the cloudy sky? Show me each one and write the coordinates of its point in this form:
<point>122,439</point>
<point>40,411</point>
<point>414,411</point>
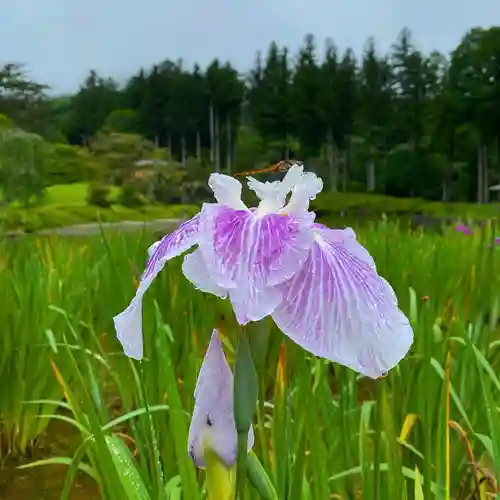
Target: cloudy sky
<point>61,40</point>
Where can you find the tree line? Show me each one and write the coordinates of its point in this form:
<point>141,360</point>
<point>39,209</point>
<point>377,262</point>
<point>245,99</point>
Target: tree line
<point>404,123</point>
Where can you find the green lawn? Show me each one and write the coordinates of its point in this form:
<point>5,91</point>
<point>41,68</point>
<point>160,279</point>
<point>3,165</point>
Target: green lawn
<point>72,194</point>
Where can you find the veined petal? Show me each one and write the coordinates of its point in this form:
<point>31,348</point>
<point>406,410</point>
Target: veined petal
<point>245,253</point>
<point>213,422</point>
<point>339,308</point>
<point>128,324</point>
<point>227,191</point>
<point>250,304</point>
<point>197,273</point>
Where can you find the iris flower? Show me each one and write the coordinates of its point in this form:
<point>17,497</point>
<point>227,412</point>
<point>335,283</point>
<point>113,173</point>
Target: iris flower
<point>213,428</point>
<point>461,228</point>
<point>319,285</point>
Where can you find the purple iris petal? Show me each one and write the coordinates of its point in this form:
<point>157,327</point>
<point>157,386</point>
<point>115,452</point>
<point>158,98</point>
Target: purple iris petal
<point>248,254</point>
<point>339,308</point>
<point>213,416</point>
<point>128,324</point>
<point>461,228</point>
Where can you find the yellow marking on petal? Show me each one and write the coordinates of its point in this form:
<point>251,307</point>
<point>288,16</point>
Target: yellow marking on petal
<point>220,478</point>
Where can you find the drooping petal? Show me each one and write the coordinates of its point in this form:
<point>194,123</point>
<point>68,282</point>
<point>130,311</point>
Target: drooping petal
<point>128,324</point>
<point>250,304</point>
<point>213,422</point>
<point>196,271</point>
<point>245,253</point>
<point>339,308</point>
<point>227,191</point>
<point>303,192</point>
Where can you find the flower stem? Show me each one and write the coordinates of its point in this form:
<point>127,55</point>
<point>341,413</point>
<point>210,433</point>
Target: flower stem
<point>245,400</point>
<point>241,466</point>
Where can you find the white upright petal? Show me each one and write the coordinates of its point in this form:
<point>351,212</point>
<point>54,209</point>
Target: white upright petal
<point>128,324</point>
<point>303,192</point>
<point>213,422</point>
<point>273,194</point>
<point>227,191</point>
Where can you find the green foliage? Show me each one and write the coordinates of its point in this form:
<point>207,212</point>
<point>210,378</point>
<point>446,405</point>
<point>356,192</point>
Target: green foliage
<point>131,195</point>
<point>357,438</point>
<point>98,195</point>
<point>405,123</point>
<point>24,161</point>
<point>122,121</point>
<point>72,164</point>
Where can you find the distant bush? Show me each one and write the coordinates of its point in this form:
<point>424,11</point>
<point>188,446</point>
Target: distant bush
<point>131,195</point>
<point>99,194</point>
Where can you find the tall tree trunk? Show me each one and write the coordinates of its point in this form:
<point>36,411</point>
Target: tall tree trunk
<point>217,140</point>
<point>486,183</point>
<point>211,125</point>
<point>183,151</point>
<point>198,145</point>
<point>169,147</point>
<point>229,149</point>
<point>332,160</point>
<point>480,176</point>
<point>370,175</point>
<point>446,187</point>
<point>345,168</point>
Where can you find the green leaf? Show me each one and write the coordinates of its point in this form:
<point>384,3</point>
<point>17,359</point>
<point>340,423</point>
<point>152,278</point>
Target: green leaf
<point>259,478</point>
<point>245,386</point>
<point>126,468</point>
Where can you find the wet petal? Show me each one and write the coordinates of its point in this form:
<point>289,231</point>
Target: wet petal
<point>196,271</point>
<point>128,324</point>
<point>213,416</point>
<point>337,307</point>
<point>250,304</point>
<point>246,253</point>
<point>227,191</point>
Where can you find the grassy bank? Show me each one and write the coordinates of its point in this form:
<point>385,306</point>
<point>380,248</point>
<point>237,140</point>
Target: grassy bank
<point>66,205</point>
<point>376,205</point>
<point>52,216</point>
<point>322,432</point>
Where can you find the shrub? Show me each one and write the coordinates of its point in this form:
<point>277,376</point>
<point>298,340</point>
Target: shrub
<point>98,195</point>
<point>131,195</point>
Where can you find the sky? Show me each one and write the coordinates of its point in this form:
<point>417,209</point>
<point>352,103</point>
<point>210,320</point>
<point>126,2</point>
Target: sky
<point>61,40</point>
